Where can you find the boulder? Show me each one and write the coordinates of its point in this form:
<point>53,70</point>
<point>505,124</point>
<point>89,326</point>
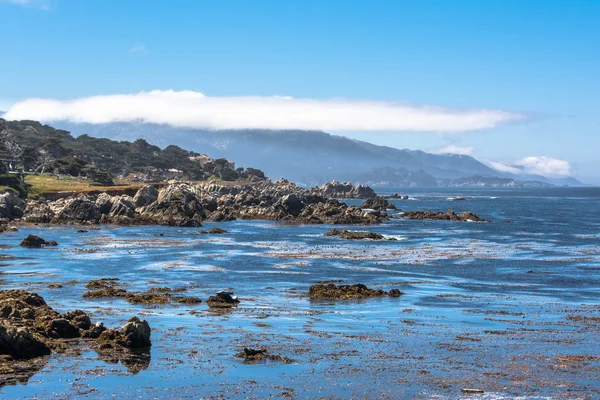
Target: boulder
<point>63,329</point>
<point>136,333</point>
<point>21,343</point>
<point>35,241</point>
<point>292,204</point>
<point>104,203</point>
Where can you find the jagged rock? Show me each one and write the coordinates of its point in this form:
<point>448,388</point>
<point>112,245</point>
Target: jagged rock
<point>346,292</point>
<point>38,212</point>
<point>122,206</point>
<point>79,319</point>
<point>79,209</point>
<point>104,203</point>
<point>176,205</point>
<point>145,196</point>
<point>346,190</point>
<point>21,343</point>
<point>378,203</point>
<point>11,206</point>
<point>182,204</point>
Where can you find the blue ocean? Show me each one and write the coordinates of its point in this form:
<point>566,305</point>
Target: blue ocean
<point>509,308</point>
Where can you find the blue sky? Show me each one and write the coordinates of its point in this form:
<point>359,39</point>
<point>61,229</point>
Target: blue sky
<point>538,59</point>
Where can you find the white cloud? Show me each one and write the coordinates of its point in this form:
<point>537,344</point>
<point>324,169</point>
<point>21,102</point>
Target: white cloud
<point>138,49</point>
<point>194,109</point>
<point>545,166</point>
<point>453,149</point>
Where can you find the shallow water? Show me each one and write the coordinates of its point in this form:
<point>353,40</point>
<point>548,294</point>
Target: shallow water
<point>511,307</point>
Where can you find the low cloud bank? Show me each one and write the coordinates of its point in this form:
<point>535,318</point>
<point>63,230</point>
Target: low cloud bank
<point>545,166</point>
<point>453,149</point>
<point>195,110</point>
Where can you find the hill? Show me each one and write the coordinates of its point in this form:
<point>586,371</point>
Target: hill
<point>34,147</point>
<point>308,157</point>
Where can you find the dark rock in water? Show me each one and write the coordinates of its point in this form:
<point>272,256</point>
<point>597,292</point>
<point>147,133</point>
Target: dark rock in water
<point>378,203</point>
<point>214,231</point>
<point>395,293</point>
<point>347,292</point>
<point>94,331</point>
<point>108,292</point>
<point>351,235</point>
<point>30,329</point>
<point>82,231</point>
<point>102,283</point>
<point>63,329</point>
<point>34,241</point>
<point>217,231</point>
<point>79,319</point>
<point>21,343</point>
<point>136,333</point>
<point>441,216</point>
<point>261,354</point>
<point>222,299</point>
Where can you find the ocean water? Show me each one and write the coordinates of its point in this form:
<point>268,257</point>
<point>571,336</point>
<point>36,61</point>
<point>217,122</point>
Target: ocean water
<point>510,307</point>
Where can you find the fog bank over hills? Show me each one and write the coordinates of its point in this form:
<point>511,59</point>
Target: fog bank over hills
<point>315,157</point>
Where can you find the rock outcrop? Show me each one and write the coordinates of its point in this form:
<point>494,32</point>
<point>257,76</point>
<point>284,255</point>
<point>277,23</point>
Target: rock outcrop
<point>353,235</point>
<point>378,203</point>
<point>346,190</point>
<point>11,206</point>
<point>441,216</point>
<point>348,292</point>
<point>30,329</point>
<point>183,204</point>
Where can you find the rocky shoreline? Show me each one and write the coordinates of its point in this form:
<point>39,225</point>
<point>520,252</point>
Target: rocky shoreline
<point>31,330</point>
<point>185,204</point>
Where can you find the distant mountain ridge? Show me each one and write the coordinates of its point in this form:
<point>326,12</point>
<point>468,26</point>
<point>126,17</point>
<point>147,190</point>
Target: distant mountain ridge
<point>306,157</point>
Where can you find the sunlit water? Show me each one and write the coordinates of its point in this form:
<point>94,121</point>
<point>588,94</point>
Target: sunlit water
<point>487,305</point>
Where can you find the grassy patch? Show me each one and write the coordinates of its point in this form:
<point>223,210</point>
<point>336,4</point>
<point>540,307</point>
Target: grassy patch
<point>44,183</point>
